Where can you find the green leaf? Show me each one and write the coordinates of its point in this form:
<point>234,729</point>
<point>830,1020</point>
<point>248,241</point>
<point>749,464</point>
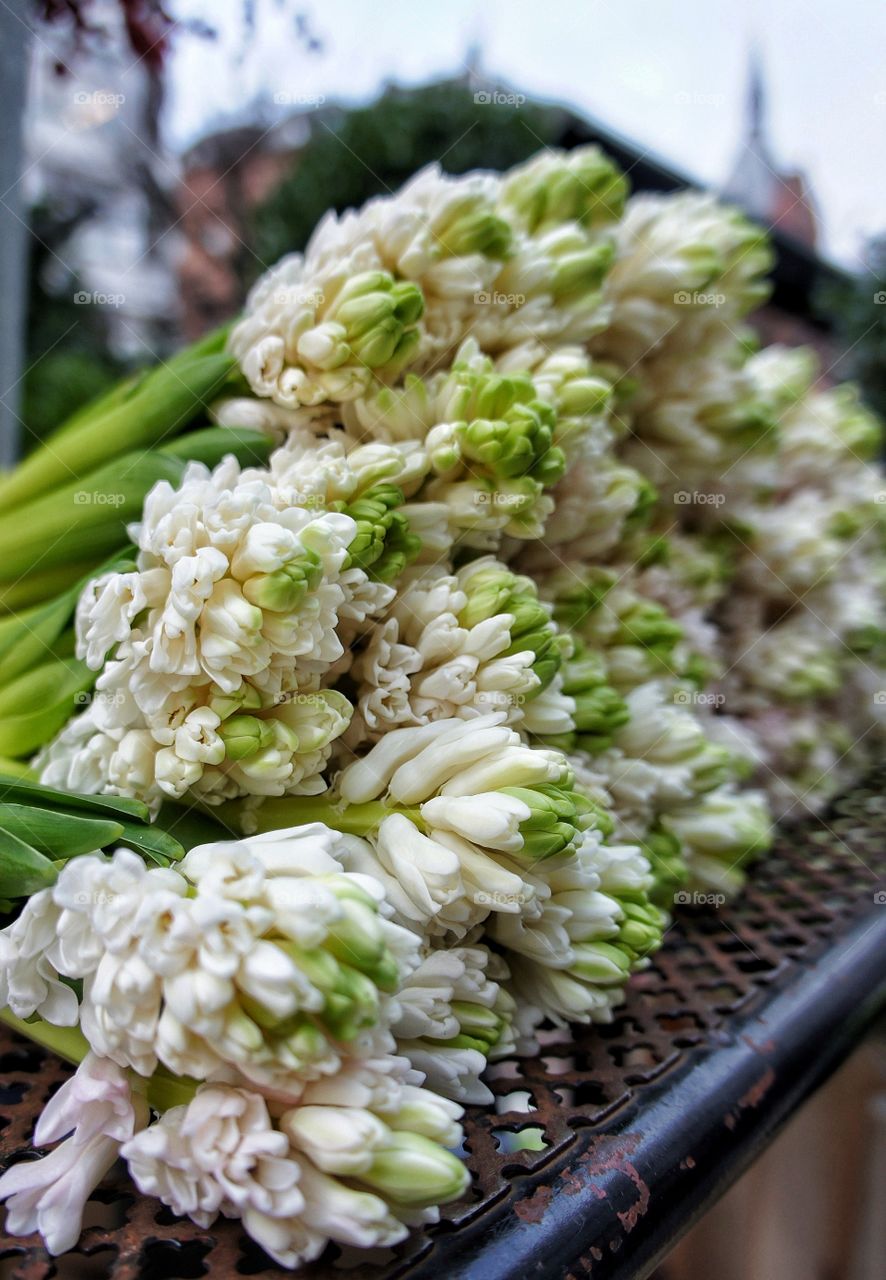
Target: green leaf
<point>58,835</point>
<point>212,444</point>
<point>157,845</point>
<point>192,826</point>
<point>162,402</point>
<point>23,870</point>
<point>28,636</point>
<point>35,705</point>
<point>21,790</point>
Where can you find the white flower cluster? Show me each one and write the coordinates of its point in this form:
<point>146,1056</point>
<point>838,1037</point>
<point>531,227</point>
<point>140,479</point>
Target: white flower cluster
<point>265,959</point>
<point>271,972</point>
<point>478,838</point>
<point>358,1161</point>
<point>547,581</point>
<point>461,645</point>
<point>219,640</point>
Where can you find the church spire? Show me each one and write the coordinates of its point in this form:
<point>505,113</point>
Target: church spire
<point>756,96</point>
<point>756,183</point>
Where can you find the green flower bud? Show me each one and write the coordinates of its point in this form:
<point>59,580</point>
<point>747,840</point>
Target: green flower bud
<point>867,639</point>
<point>641,930</point>
<point>649,625</point>
<point>245,736</point>
<point>306,1043</point>
<point>581,272</point>
<point>582,186</point>
<point>669,869</point>
<point>246,698</point>
<point>350,998</point>
<point>489,592</point>
<point>481,1025</point>
<point>374,312</point>
<point>412,1170</point>
<point>383,542</point>
<point>408,302</point>
<point>574,601</point>
<point>475,229</point>
<point>284,590</point>
<point>602,963</point>
<point>519,443</point>
<point>353,1006</point>
<point>357,941</point>
<point>495,394</point>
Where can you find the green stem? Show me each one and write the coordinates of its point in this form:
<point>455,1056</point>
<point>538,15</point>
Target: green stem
<point>65,1042</point>
<point>279,812</point>
<point>40,586</point>
<point>162,1090</point>
<point>15,769</point>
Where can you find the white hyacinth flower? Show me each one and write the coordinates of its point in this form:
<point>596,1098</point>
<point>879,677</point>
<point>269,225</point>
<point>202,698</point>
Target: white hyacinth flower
<point>95,1112</point>
<point>279,968</point>
<point>223,1153</point>
<point>245,596</point>
<point>452,1017</point>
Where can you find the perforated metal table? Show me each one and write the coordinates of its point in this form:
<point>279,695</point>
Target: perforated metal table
<point>643,1123</point>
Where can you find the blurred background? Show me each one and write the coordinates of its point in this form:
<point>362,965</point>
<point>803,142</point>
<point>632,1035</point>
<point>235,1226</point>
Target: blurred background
<point>155,158</point>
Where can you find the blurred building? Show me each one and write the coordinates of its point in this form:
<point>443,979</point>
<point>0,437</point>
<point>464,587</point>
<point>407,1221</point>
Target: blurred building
<point>225,176</point>
<point>93,160</point>
<point>778,198</point>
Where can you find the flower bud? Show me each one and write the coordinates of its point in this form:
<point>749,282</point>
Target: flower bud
<point>411,1170</point>
<point>245,736</point>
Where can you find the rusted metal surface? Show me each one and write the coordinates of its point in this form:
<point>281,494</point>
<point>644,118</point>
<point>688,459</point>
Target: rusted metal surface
<point>641,1123</point>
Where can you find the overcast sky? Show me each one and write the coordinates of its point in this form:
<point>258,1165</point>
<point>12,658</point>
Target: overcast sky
<point>669,74</point>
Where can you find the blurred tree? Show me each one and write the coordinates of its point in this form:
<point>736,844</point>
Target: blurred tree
<point>858,311</point>
<point>375,149</point>
<point>68,360</point>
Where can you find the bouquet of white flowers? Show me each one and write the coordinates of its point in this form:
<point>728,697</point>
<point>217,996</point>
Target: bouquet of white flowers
<point>393,663</point>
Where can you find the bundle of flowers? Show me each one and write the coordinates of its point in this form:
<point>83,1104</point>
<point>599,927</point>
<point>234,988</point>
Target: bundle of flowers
<point>395,663</point>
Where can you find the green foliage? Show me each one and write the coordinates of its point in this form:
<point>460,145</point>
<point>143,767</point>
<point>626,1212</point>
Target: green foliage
<point>67,360</point>
<point>858,309</point>
<point>375,149</point>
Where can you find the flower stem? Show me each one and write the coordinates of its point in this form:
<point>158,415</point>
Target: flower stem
<point>162,1090</point>
<point>278,812</point>
<point>66,1042</point>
